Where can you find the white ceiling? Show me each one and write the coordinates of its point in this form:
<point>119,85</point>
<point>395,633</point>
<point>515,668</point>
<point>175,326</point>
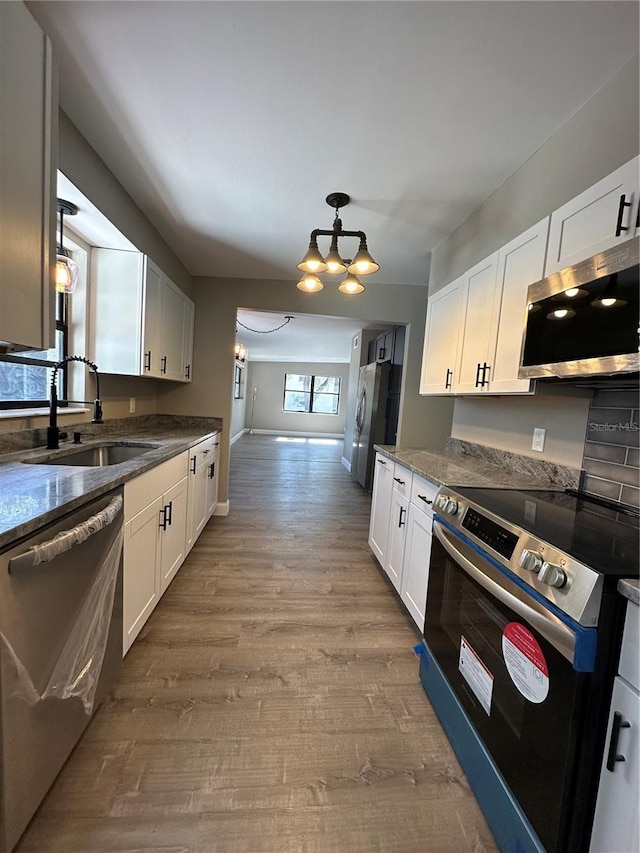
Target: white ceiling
<point>306,337</point>
<point>230,122</point>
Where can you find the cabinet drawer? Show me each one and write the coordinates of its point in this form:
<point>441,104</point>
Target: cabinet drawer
<point>423,493</point>
<point>402,479</point>
<point>629,667</point>
<point>138,493</point>
<point>203,452</point>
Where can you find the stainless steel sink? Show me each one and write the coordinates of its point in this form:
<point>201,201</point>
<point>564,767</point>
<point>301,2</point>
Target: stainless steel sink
<point>96,457</point>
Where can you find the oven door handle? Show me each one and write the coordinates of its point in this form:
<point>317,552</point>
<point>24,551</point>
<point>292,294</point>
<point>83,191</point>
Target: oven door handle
<point>559,635</point>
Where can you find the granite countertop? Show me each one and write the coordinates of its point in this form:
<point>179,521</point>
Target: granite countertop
<point>34,495</point>
<point>464,464</point>
<point>630,588</point>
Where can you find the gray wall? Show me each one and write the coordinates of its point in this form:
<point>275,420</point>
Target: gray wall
<point>268,378</point>
<point>596,140</point>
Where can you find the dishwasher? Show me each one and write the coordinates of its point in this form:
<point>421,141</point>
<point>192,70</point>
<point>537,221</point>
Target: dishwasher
<point>60,648</point>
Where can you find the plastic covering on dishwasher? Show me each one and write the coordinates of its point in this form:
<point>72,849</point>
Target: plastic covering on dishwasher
<point>77,670</point>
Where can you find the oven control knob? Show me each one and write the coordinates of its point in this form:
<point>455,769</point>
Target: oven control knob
<point>530,561</point>
<point>552,575</point>
<point>441,501</point>
<point>452,507</point>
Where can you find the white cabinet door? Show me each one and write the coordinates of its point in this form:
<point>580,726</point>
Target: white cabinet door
<point>417,555</point>
<point>600,217</point>
<point>479,299</point>
<point>174,306</point>
<point>616,826</point>
<point>187,358</point>
<point>212,485</point>
<point>380,507</point>
<point>441,339</point>
<point>140,561</point>
<point>173,532</point>
<point>151,320</point>
<point>28,122</point>
<point>397,537</point>
<point>520,263</point>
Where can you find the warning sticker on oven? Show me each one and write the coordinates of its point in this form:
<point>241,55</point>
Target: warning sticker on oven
<point>476,674</point>
<point>525,662</point>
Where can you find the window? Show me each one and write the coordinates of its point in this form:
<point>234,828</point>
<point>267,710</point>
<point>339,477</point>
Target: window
<point>237,383</point>
<point>319,395</point>
<point>25,377</point>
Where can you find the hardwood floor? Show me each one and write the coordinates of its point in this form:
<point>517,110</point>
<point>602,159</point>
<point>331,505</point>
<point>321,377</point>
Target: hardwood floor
<point>272,701</point>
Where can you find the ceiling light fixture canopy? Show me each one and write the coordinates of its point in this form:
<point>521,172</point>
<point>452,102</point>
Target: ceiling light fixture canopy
<point>314,263</point>
<point>66,268</point>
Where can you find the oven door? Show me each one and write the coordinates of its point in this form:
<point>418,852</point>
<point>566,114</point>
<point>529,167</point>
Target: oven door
<point>510,663</point>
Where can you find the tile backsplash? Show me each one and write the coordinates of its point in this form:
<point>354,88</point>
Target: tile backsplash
<point>611,462</point>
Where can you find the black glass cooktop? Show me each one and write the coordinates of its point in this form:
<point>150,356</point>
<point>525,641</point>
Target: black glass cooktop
<point>605,538</point>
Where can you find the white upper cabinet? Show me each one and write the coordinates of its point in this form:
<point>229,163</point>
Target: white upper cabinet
<point>479,300</point>
<point>440,353</point>
<point>597,219</point>
<point>520,263</point>
<point>28,129</point>
<point>142,323</point>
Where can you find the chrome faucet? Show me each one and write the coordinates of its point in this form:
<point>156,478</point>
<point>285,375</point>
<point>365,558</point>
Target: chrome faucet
<point>53,431</point>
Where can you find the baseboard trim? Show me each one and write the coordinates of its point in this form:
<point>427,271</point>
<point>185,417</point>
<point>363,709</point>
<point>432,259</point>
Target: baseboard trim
<point>237,436</point>
<point>346,464</point>
<point>290,433</point>
<point>222,508</point>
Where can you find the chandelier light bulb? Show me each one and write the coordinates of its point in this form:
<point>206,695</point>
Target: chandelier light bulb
<point>335,264</point>
<point>66,274</point>
<point>310,283</point>
<point>363,263</point>
<point>351,286</point>
<point>313,261</point>
<point>561,314</point>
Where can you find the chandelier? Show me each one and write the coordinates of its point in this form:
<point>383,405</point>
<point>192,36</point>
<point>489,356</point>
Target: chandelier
<point>314,263</point>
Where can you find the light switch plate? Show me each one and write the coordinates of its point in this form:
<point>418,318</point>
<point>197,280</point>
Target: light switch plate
<point>132,405</point>
<point>538,439</point>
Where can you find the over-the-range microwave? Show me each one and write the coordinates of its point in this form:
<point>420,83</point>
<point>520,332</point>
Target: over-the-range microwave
<point>583,320</point>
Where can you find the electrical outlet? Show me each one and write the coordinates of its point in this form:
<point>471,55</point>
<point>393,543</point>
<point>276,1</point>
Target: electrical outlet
<point>132,405</point>
<point>538,439</point>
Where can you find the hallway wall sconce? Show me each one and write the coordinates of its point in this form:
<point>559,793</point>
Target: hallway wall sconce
<point>66,268</point>
<point>334,264</point>
<point>240,352</point>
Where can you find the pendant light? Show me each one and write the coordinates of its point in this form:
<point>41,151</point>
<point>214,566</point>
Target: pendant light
<point>66,268</point>
<point>314,263</point>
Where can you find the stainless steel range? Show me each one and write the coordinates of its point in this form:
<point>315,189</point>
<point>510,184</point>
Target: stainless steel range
<point>522,632</point>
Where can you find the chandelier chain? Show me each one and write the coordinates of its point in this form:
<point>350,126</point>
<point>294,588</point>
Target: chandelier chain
<point>265,331</point>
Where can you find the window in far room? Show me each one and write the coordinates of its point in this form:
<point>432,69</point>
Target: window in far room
<point>318,395</point>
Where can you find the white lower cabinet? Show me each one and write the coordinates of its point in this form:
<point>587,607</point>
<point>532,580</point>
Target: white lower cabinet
<point>400,531</point>
<point>380,507</point>
<point>616,825</point>
<point>204,459</point>
<point>154,540</point>
<point>415,573</point>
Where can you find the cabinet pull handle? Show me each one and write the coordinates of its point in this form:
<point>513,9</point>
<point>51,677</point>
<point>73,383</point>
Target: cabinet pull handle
<point>164,522</point>
<point>398,480</point>
<point>447,382</point>
<point>206,451</point>
<point>485,367</point>
<point>170,506</point>
<point>381,462</point>
<point>478,369</point>
<point>163,364</point>
<point>147,360</point>
<point>638,218</point>
<point>188,371</point>
<point>400,521</point>
<point>212,470</point>
<point>193,462</point>
<point>613,756</point>
<point>425,499</point>
<point>619,226</point>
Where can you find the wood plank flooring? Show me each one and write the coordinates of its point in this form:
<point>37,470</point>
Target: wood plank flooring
<point>272,701</point>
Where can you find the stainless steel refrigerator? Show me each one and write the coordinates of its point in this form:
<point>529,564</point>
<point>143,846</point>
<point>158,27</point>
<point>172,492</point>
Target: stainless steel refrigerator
<point>370,420</point>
